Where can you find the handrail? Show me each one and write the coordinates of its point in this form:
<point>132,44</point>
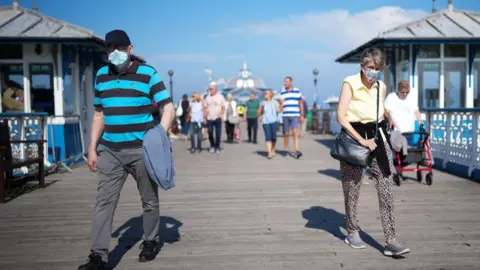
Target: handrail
<point>451,110</point>
<point>22,114</point>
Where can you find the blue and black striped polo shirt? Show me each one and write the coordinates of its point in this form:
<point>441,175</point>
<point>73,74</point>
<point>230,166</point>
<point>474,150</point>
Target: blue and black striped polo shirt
<point>126,102</point>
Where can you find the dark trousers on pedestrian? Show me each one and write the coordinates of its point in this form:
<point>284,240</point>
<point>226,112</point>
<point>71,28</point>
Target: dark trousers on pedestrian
<point>217,125</point>
<point>252,129</point>
<point>230,129</point>
<point>196,131</point>
<point>185,126</point>
<point>113,168</point>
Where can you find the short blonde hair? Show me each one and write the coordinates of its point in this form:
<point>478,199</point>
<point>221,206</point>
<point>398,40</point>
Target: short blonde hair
<point>195,97</point>
<point>270,92</point>
<point>229,96</point>
<point>374,55</point>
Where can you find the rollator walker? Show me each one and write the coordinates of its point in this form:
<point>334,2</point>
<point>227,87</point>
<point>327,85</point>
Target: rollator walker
<point>420,156</point>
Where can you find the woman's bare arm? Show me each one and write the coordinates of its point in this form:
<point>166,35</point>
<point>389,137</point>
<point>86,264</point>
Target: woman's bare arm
<point>345,98</point>
<point>259,110</point>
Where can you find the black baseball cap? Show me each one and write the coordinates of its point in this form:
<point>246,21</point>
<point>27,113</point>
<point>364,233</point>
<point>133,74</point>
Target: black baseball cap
<point>117,37</point>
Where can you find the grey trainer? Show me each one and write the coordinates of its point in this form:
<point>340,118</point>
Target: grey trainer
<point>395,248</point>
<point>354,240</point>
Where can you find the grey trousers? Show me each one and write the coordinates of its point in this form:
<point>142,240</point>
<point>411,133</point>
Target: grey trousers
<point>113,167</point>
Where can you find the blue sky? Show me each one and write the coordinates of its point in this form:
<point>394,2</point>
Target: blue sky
<point>277,38</point>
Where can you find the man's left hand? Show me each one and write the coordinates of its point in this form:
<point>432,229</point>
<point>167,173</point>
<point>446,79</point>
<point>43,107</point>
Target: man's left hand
<point>301,119</point>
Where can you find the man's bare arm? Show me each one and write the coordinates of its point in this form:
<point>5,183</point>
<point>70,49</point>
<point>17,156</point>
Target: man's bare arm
<point>301,108</point>
<point>168,115</point>
<point>98,126</point>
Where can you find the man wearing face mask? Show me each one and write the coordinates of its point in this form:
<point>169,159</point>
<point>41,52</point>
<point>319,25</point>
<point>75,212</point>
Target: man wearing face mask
<point>124,90</point>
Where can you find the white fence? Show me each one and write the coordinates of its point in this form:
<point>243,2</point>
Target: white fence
<point>455,140</point>
<point>454,137</point>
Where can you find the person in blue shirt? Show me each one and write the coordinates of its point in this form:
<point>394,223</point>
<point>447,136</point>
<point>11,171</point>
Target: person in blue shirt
<point>268,115</point>
<point>124,90</point>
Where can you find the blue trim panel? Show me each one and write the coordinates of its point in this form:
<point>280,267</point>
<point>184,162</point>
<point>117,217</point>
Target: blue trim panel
<point>67,139</point>
<point>452,110</point>
<point>476,175</point>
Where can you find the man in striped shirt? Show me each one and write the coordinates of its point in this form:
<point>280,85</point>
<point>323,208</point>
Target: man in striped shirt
<point>292,111</point>
<point>124,90</point>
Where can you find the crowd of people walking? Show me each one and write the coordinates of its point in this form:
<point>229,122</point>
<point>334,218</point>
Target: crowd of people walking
<point>214,111</point>
<point>121,130</point>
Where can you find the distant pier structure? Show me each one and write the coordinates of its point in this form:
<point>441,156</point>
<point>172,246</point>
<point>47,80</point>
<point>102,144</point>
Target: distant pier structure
<point>244,84</point>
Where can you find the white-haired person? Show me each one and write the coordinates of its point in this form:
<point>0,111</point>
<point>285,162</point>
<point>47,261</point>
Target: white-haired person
<point>402,111</point>
<point>357,114</point>
<point>214,111</point>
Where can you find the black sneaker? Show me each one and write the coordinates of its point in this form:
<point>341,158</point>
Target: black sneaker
<point>95,263</point>
<point>149,251</point>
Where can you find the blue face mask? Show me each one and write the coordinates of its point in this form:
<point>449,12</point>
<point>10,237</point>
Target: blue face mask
<point>118,58</point>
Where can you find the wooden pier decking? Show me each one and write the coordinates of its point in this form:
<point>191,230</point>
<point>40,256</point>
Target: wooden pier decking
<point>238,210</point>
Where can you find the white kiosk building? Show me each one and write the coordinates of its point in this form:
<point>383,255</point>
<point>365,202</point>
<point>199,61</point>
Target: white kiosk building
<point>440,56</point>
<point>54,63</point>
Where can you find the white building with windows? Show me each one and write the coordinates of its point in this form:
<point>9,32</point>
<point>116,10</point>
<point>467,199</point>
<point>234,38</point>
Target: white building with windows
<point>440,57</point>
<point>54,63</point>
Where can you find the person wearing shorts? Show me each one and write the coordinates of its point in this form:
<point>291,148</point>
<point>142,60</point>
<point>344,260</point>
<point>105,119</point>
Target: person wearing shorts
<point>292,109</point>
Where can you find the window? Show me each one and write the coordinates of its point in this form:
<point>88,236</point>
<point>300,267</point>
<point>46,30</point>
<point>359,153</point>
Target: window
<point>403,54</point>
<point>41,78</point>
<point>455,88</point>
<point>455,50</point>
<point>428,84</point>
<point>404,71</point>
<point>429,51</point>
<point>12,74</point>
<point>68,94</point>
<point>11,51</point>
<point>476,84</point>
<point>477,50</point>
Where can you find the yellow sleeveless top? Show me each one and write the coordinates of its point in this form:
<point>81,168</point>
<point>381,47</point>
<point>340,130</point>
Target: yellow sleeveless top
<point>363,106</point>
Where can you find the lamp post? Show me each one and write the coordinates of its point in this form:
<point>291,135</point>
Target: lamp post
<point>315,74</point>
<point>170,74</point>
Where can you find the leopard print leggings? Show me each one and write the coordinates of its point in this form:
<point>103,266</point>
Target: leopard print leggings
<point>352,176</point>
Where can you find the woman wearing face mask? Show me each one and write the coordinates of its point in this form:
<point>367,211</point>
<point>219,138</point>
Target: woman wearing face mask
<point>357,114</point>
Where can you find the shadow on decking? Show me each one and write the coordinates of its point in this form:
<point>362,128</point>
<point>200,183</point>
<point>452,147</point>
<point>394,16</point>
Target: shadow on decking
<point>326,142</point>
<point>24,186</point>
<point>331,221</point>
<point>131,233</point>
<point>336,174</point>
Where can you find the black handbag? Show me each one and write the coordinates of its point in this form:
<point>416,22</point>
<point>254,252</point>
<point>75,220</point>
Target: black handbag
<point>349,150</point>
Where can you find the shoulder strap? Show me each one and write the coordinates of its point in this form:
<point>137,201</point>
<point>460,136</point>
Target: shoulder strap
<point>378,109</point>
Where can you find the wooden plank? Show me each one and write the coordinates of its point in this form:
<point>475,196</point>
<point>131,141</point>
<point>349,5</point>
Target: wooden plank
<point>238,210</point>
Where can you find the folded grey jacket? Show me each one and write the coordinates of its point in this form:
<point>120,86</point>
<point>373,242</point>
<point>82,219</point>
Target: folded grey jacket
<point>157,150</point>
<point>399,142</point>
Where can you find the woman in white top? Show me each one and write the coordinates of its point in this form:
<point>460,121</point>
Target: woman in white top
<point>195,109</point>
<point>231,117</point>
